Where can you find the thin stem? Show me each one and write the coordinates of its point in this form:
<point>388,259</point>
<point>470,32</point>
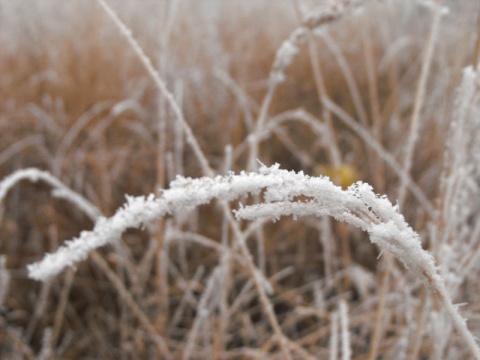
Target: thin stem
<point>158,340</point>
<point>419,100</point>
<point>60,313</point>
<point>377,164</point>
<point>370,141</point>
<point>333,149</point>
<point>458,321</point>
<point>147,63</point>
<point>380,314</point>
<point>346,349</point>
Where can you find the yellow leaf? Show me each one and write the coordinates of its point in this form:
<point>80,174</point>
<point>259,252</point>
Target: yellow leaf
<point>343,175</point>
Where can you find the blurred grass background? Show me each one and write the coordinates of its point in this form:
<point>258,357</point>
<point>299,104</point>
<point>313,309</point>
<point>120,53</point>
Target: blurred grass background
<point>77,102</point>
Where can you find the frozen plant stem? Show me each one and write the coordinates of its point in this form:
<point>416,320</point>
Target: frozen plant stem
<point>283,59</point>
<point>332,148</point>
<point>410,148</point>
<point>147,63</point>
<point>346,349</point>
<point>59,189</point>
<point>357,205</point>
<point>161,260</point>
<point>334,336</point>
<point>419,99</point>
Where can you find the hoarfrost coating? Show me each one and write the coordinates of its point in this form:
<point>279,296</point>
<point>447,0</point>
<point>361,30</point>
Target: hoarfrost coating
<point>358,206</point>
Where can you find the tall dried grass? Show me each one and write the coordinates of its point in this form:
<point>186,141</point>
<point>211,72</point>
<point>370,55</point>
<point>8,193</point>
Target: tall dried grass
<point>382,92</point>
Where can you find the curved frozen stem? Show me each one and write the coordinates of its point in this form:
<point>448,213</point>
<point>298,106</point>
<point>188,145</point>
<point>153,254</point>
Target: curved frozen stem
<point>357,205</point>
<point>60,190</point>
<point>281,189</point>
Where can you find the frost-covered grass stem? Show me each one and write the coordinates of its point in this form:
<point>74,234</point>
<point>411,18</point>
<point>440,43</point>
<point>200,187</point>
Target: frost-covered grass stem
<point>147,63</point>
<point>357,205</point>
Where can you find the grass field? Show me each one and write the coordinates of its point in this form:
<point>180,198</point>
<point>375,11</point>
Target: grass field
<point>147,132</point>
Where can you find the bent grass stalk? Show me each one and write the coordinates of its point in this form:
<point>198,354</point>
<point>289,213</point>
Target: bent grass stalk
<point>357,206</point>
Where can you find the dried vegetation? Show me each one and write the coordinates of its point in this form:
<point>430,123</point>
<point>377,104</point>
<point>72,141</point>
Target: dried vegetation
<point>383,92</point>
